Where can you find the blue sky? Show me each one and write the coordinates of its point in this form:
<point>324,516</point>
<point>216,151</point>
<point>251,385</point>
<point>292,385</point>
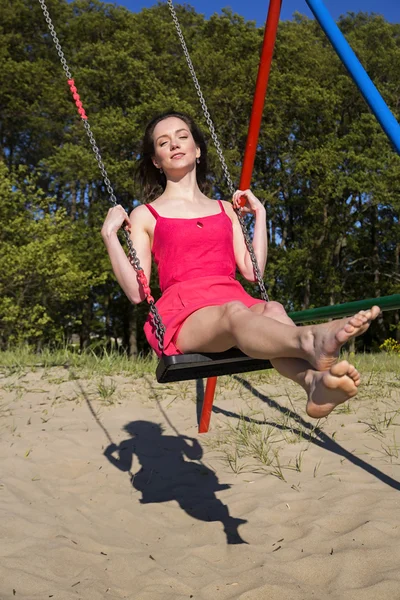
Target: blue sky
<point>256,10</point>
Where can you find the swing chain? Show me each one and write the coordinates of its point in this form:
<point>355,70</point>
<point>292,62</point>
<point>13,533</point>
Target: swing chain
<point>132,255</point>
<point>217,145</point>
<point>201,98</point>
<point>250,249</point>
<point>102,168</point>
<point>55,39</point>
<point>156,317</point>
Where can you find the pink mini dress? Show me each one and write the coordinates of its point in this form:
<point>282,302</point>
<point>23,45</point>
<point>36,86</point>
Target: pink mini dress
<point>196,268</point>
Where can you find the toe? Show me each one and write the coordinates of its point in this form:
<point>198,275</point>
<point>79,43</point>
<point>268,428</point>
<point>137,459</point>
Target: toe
<point>340,368</point>
<point>375,312</point>
<point>357,320</point>
<point>352,371</point>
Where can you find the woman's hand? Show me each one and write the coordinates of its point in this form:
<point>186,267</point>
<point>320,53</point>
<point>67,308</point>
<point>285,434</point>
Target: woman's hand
<point>115,219</point>
<point>252,205</point>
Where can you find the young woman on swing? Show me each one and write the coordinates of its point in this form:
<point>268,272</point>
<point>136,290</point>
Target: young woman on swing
<point>197,244</point>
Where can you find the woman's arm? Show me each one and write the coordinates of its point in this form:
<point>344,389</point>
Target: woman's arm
<point>194,451</point>
<point>125,455</point>
<point>123,270</point>
<point>260,240</point>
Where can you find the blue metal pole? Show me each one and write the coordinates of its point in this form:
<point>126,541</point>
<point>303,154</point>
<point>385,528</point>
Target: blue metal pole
<point>357,72</point>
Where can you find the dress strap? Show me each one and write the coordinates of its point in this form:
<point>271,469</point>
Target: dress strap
<point>153,211</point>
<point>221,206</point>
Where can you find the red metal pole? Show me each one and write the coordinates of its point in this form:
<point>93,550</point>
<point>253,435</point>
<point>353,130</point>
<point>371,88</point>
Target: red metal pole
<point>207,405</point>
<point>271,28</point>
<point>267,51</point>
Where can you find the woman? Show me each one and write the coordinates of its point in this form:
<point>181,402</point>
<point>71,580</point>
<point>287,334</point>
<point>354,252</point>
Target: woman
<point>197,244</point>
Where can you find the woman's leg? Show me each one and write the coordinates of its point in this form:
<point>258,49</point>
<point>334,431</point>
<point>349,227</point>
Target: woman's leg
<point>218,328</point>
<point>316,347</point>
<point>325,389</point>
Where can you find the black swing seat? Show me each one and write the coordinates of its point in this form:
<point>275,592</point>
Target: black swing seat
<point>182,367</point>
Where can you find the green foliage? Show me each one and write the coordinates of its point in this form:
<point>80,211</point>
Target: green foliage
<point>41,269</point>
<point>325,171</point>
<point>390,346</point>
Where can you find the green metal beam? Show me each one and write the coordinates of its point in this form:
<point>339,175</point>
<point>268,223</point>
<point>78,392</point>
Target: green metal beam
<point>345,310</point>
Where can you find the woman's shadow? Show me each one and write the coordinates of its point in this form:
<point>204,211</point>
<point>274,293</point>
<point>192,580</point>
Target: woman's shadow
<point>168,473</point>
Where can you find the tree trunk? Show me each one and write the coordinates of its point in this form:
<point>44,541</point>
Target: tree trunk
<point>307,294</point>
<point>132,332</point>
<point>73,200</point>
<point>352,345</point>
<point>396,319</point>
<point>84,334</point>
<point>335,297</point>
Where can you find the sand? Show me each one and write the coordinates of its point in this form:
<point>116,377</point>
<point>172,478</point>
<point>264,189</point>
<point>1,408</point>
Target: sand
<point>107,491</point>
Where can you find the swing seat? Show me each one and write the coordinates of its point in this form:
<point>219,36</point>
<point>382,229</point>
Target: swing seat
<point>182,367</point>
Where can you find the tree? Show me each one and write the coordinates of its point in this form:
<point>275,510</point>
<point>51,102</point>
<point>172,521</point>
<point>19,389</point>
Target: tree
<point>324,170</point>
<point>40,275</point>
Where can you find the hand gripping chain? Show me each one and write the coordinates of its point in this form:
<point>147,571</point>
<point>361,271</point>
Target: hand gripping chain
<point>132,256</point>
<point>214,137</point>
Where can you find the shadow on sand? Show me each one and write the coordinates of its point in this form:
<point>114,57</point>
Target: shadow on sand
<point>170,470</point>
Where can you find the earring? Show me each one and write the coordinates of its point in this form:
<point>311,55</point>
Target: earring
<point>161,171</point>
<point>198,161</point>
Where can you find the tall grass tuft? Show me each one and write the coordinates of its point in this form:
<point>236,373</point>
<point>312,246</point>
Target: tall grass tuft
<point>84,363</point>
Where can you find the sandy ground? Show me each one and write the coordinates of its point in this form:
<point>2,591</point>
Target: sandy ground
<point>108,492</point>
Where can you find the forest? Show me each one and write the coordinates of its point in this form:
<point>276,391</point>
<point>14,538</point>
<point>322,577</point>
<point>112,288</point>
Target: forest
<point>326,172</point>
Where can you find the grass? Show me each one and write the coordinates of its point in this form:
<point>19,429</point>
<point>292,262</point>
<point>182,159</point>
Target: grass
<point>381,422</point>
<point>271,437</point>
<point>391,450</point>
<point>106,391</point>
<point>279,445</point>
<point>85,364</point>
<point>375,363</point>
<point>248,446</point>
<point>21,359</point>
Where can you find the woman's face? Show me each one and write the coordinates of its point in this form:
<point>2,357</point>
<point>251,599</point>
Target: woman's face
<point>174,147</point>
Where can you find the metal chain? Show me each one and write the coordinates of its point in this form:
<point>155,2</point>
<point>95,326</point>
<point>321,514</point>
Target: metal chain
<point>217,145</point>
<point>249,245</point>
<point>97,154</point>
<point>201,98</point>
<point>132,255</point>
<point>55,38</point>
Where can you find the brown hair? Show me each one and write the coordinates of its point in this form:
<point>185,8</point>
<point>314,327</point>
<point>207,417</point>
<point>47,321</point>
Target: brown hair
<point>152,182</point>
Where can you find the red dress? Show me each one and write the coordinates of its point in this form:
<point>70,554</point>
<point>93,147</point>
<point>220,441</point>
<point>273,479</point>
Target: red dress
<point>196,268</point>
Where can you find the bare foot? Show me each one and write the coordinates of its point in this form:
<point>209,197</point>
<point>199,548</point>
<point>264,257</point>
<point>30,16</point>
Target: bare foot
<point>327,389</point>
<point>324,341</point>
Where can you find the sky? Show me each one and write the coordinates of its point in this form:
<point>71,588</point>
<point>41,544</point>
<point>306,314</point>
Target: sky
<point>256,10</point>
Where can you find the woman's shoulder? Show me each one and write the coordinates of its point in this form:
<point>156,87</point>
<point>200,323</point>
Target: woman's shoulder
<point>159,204</point>
<point>140,210</point>
<point>228,208</point>
<point>141,216</point>
<point>227,204</point>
